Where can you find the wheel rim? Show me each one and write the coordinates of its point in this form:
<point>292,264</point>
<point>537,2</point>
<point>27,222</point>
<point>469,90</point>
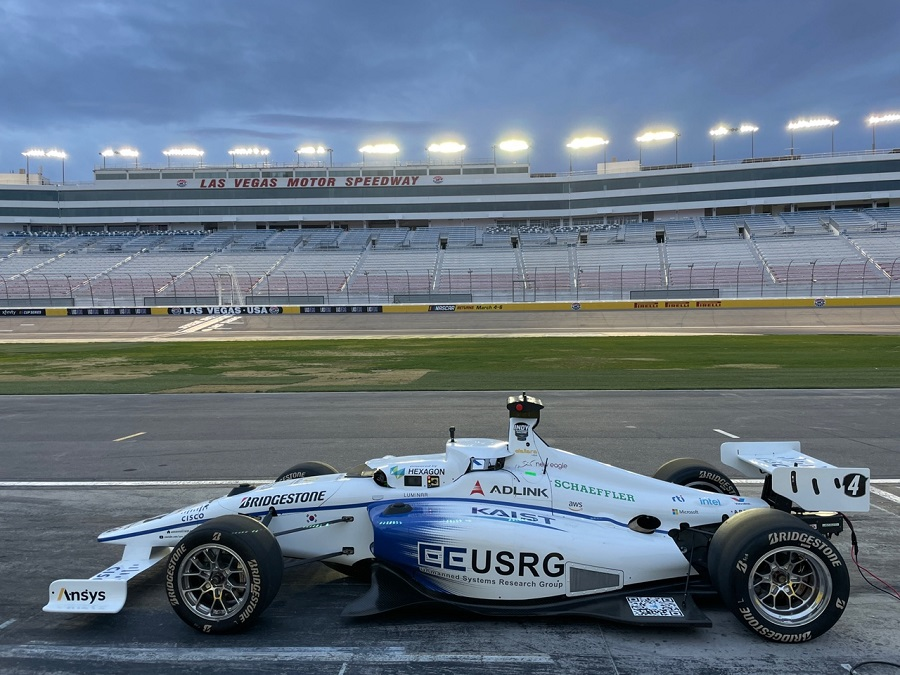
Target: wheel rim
<point>790,586</point>
<point>213,582</point>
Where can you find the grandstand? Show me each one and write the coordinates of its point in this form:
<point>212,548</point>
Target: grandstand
<point>725,230</point>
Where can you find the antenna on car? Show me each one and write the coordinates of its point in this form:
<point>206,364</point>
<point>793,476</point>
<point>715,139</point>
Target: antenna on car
<point>453,434</point>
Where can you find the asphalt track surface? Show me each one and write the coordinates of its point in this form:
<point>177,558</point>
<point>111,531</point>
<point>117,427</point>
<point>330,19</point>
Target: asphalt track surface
<point>110,460</point>
<point>869,320</point>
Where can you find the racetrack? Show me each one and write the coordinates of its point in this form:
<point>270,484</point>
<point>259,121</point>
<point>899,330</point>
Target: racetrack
<point>772,320</point>
<point>48,532</point>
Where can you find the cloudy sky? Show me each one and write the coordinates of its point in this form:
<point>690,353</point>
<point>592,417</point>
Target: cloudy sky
<point>83,75</point>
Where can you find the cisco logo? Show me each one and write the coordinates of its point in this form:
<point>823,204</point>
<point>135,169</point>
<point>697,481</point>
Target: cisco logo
<point>437,179</point>
<point>181,183</point>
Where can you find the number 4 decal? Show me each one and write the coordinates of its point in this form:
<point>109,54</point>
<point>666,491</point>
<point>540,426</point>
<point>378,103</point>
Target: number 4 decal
<point>854,485</point>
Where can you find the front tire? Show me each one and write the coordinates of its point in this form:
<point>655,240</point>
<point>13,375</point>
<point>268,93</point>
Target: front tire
<point>694,473</point>
<point>223,574</point>
<point>781,578</point>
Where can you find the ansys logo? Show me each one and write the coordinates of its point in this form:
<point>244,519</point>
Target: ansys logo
<point>80,596</point>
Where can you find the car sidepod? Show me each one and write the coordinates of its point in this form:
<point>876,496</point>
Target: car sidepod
<point>496,558</point>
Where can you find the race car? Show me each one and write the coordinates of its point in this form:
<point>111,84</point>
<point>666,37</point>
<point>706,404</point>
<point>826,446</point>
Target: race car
<point>511,527</point>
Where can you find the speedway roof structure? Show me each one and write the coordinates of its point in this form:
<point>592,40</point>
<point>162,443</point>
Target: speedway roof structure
<point>264,196</point>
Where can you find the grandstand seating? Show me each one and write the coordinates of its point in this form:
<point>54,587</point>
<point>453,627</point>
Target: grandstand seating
<point>813,251</point>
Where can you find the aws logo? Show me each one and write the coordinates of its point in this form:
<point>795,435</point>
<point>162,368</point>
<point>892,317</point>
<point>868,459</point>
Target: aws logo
<point>89,597</point>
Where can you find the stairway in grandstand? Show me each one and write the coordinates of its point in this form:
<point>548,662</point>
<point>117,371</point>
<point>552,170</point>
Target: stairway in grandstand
<point>851,252</point>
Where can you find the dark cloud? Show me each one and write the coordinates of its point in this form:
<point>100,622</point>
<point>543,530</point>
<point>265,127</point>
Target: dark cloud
<point>82,75</point>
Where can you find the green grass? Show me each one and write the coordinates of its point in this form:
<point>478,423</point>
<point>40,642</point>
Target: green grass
<point>697,362</point>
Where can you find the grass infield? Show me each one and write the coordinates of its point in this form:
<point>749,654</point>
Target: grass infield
<point>695,362</point>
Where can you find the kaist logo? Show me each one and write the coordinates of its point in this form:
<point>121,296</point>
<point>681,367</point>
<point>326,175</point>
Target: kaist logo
<point>504,514</point>
<point>89,597</point>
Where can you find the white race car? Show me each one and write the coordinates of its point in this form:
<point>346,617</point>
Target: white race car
<point>512,527</point>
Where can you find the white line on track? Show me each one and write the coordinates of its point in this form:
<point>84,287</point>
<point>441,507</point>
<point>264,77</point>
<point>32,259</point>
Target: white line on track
<point>125,438</point>
<point>885,495</point>
<point>357,655</point>
<point>725,433</point>
<point>6,623</point>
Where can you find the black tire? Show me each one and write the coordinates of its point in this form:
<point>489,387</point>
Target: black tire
<point>696,474</point>
<point>223,574</point>
<point>781,578</point>
<point>304,469</point>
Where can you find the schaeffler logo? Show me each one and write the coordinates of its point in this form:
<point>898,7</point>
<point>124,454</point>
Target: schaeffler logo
<point>520,429</point>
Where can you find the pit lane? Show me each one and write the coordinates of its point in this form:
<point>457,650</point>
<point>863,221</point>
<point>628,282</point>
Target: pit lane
<point>148,444</point>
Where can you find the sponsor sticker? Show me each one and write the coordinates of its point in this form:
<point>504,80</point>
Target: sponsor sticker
<point>653,606</point>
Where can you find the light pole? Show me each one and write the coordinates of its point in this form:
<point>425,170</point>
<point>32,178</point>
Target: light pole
<point>816,123</point>
<point>183,152</point>
<point>510,145</point>
<point>447,148</point>
<point>37,152</point>
<point>315,150</point>
<point>716,133</point>
<point>587,142</point>
<point>378,149</point>
<point>651,136</point>
<point>121,152</point>
<point>722,130</point>
<point>249,152</point>
<point>875,120</point>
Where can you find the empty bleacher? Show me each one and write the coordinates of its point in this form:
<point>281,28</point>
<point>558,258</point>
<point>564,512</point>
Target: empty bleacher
<point>821,252</point>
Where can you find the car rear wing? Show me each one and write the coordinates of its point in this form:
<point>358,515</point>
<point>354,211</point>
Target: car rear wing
<point>810,483</point>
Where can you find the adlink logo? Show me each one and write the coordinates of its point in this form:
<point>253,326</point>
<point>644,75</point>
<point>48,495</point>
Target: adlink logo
<point>89,597</point>
<point>519,492</point>
<point>477,489</point>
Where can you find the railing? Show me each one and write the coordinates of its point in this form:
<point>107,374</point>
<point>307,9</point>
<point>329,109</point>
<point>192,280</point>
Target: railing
<point>845,277</point>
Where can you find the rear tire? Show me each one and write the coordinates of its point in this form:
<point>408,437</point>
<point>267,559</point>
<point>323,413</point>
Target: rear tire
<point>223,574</point>
<point>694,473</point>
<point>306,469</point>
<point>779,576</point>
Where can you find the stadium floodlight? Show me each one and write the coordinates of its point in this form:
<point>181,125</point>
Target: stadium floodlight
<point>447,147</point>
<point>251,151</point>
<point>120,152</point>
<point>815,123</point>
<point>718,132</point>
<point>379,149</point>
<point>315,150</point>
<point>875,120</point>
<point>747,128</point>
<point>513,145</point>
<point>583,142</point>
<point>183,152</point>
<point>651,136</point>
<point>37,152</point>
<point>509,145</point>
